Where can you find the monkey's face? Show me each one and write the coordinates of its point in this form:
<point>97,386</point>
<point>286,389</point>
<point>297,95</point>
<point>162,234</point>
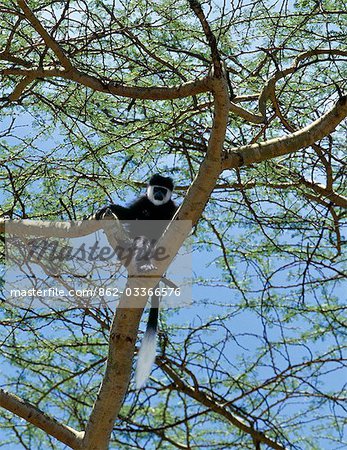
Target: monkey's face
<point>158,195</point>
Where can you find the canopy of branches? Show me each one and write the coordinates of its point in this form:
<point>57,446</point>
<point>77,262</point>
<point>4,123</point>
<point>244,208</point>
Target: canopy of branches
<point>243,104</point>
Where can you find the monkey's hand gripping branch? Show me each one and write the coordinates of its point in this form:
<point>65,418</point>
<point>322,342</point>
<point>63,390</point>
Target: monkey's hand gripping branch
<point>118,237</point>
<point>114,230</point>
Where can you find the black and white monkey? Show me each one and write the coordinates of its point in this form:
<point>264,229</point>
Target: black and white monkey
<point>155,205</point>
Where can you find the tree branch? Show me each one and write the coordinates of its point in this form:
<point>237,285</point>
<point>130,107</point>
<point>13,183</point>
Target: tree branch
<point>253,153</point>
<point>6,56</point>
<point>214,406</point>
<point>122,340</point>
<point>35,416</point>
<point>110,87</point>
<point>268,90</point>
<point>216,59</point>
<point>45,228</point>
<point>125,325</point>
<point>18,91</point>
<point>245,114</point>
<point>323,191</point>
<point>49,40</point>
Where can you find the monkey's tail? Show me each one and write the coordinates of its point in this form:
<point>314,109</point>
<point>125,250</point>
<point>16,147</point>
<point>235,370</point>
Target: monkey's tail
<point>146,355</point>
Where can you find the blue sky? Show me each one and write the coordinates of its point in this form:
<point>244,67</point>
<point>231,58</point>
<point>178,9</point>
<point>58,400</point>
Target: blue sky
<point>245,325</point>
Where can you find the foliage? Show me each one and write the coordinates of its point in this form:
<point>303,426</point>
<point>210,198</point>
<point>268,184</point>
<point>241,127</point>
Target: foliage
<point>265,336</point>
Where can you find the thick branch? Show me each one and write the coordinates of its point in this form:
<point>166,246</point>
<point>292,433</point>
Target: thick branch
<point>249,154</point>
<point>35,416</point>
<point>125,325</point>
<point>110,87</point>
<point>49,228</point>
<point>123,334</point>
<point>18,91</point>
<point>49,40</point>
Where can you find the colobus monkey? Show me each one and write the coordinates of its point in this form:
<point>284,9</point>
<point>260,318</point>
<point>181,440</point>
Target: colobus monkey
<point>155,205</point>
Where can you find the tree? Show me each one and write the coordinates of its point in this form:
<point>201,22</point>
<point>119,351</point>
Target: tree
<point>244,104</point>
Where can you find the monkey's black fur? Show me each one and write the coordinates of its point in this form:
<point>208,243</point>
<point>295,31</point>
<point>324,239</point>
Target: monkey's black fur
<point>144,208</point>
<point>141,209</point>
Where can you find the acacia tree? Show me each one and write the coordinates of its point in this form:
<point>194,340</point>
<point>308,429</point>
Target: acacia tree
<point>244,104</point>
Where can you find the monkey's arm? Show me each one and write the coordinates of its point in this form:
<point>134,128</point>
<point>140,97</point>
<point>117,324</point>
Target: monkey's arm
<point>121,212</point>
